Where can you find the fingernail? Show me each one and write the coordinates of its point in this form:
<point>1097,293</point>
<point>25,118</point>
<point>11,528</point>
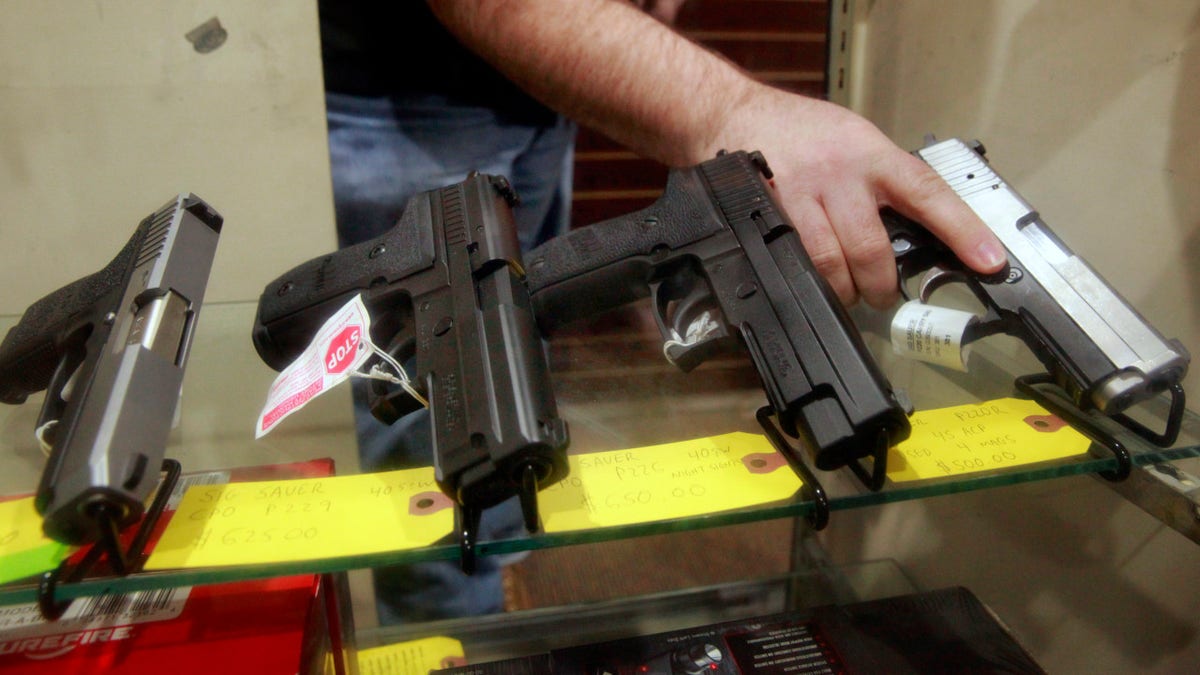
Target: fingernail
<point>992,253</point>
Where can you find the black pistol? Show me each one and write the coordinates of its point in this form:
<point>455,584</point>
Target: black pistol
<point>725,268</point>
<point>1094,345</point>
<point>110,349</point>
<point>444,285</point>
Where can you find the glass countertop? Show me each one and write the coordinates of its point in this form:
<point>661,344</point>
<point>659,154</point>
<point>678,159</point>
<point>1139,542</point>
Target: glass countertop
<point>614,389</point>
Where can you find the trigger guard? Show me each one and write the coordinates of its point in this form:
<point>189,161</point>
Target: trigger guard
<point>904,274</point>
<point>936,277</point>
<point>660,311</point>
<point>61,387</point>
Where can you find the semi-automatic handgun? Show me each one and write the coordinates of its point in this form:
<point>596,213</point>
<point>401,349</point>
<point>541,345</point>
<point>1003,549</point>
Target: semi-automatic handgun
<point>724,268</point>
<point>1094,345</point>
<point>110,351</point>
<point>444,285</point>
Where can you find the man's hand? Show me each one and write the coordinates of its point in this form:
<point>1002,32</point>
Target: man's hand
<point>834,171</point>
<point>611,66</point>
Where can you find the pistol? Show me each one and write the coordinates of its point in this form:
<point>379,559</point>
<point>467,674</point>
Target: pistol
<point>445,286</point>
<point>110,350</point>
<point>1097,348</point>
<point>725,269</point>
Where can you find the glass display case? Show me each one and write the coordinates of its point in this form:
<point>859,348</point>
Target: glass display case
<point>616,392</point>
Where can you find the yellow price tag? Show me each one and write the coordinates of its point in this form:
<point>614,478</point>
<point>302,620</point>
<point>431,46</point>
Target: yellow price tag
<point>998,434</point>
<point>416,657</point>
<point>24,550</point>
<point>306,519</point>
<point>672,480</point>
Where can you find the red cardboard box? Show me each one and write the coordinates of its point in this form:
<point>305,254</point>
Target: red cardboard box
<point>285,625</point>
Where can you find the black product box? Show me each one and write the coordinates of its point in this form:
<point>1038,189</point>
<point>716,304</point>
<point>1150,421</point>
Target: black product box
<point>944,631</point>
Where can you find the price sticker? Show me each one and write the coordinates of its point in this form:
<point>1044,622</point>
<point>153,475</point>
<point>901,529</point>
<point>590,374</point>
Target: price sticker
<point>672,480</point>
<point>306,519</point>
<point>415,657</point>
<point>999,434</point>
<point>24,550</point>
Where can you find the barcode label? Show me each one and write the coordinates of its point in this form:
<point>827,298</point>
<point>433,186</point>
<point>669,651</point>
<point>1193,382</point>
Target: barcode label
<point>125,605</point>
<point>101,611</point>
<point>192,480</point>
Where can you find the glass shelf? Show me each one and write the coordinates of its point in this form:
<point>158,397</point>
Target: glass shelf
<point>615,391</point>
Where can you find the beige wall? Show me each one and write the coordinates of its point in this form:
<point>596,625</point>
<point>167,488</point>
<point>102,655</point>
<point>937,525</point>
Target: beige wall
<point>107,111</point>
<point>1090,110</point>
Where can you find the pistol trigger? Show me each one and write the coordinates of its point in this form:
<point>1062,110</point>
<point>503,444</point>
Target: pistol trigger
<point>700,338</point>
<point>692,327</point>
<point>936,277</point>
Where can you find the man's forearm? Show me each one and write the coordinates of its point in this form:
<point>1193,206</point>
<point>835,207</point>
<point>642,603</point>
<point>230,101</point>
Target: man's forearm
<point>607,70</point>
<point>610,66</point>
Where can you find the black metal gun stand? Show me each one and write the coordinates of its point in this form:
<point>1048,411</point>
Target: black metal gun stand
<point>1162,490</point>
<point>121,562</point>
<point>1167,493</point>
<point>830,586</point>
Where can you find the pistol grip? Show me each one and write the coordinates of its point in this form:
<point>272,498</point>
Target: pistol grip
<point>33,349</point>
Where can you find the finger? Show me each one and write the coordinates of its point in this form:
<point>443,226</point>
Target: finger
<point>854,215</point>
<point>823,247</point>
<point>916,191</point>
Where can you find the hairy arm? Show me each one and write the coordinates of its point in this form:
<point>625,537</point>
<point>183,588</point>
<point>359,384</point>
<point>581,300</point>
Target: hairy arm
<point>610,66</point>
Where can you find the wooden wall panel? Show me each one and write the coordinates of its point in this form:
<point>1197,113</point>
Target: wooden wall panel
<point>754,16</point>
<point>783,42</point>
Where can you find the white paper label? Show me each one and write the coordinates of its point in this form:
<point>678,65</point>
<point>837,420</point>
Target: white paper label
<point>932,334</point>
<point>339,348</point>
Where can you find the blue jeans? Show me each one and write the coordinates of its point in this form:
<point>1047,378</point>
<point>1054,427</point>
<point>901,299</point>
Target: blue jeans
<point>382,151</point>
